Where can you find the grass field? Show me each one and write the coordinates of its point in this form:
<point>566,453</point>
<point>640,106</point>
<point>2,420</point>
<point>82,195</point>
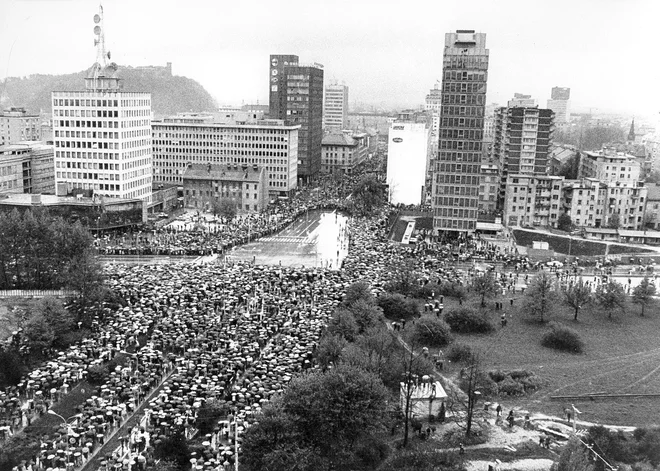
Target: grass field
<point>577,247</point>
<point>622,355</point>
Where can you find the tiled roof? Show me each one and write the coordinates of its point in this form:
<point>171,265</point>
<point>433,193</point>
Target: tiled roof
<point>336,139</point>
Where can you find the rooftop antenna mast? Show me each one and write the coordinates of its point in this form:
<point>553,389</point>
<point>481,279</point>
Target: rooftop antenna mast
<point>99,43</point>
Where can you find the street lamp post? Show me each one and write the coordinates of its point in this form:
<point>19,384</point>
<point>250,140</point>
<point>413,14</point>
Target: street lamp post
<point>68,431</point>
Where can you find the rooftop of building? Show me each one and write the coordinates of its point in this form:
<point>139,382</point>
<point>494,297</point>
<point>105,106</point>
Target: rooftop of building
<point>17,112</point>
<point>26,199</point>
<point>216,121</point>
<point>23,145</point>
<point>227,172</point>
<point>610,153</point>
<point>338,139</point>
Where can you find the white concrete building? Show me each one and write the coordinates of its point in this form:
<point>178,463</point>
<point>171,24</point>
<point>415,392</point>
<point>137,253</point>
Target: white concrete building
<point>335,107</point>
<point>197,139</point>
<point>407,153</point>
<point>102,135</point>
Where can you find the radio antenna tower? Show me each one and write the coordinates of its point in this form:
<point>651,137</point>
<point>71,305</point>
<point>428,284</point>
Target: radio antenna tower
<point>102,68</point>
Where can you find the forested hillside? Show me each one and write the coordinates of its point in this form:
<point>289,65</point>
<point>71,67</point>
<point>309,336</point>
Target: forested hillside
<point>171,94</point>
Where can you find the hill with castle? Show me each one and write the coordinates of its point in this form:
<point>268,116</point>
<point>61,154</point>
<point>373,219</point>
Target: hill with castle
<point>170,94</point>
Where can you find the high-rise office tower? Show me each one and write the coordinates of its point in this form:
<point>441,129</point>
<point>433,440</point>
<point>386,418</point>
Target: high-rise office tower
<point>457,167</point>
<point>102,135</point>
<point>296,96</point>
<point>559,102</point>
<point>335,108</point>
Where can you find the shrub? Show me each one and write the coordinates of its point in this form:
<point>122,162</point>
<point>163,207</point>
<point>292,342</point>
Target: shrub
<point>510,387</point>
<point>453,290</point>
<point>563,338</point>
<point>520,374</point>
<point>432,332</point>
<point>468,321</point>
<point>459,353</point>
<point>428,290</point>
<point>396,306</point>
<point>497,375</point>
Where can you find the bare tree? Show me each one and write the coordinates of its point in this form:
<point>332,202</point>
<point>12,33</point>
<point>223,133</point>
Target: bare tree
<point>539,297</point>
<point>485,286</point>
<point>577,295</point>
<point>463,402</point>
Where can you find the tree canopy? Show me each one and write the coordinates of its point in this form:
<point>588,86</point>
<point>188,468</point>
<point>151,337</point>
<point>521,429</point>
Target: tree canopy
<point>643,293</point>
<point>539,296</point>
<point>38,251</point>
<point>318,422</point>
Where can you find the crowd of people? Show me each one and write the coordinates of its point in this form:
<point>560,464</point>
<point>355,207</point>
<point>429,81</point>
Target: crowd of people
<point>228,334</point>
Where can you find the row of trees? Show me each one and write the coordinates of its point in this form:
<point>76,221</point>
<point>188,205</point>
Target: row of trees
<point>38,251</point>
<point>542,295</point>
<point>540,299</point>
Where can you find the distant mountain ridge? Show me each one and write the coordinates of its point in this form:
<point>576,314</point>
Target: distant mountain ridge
<point>170,94</point>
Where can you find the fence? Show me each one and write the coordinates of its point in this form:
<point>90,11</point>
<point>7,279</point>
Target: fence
<point>35,293</point>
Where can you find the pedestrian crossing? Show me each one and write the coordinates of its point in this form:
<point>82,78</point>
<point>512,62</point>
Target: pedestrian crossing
<point>288,240</point>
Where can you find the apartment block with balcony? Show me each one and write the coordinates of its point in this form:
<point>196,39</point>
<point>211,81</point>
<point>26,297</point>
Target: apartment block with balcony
<point>533,200</point>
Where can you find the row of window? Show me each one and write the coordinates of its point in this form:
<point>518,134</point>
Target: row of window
<point>100,103</point>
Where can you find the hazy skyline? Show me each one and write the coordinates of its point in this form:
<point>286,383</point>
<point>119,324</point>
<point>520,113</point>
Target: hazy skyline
<point>388,53</point>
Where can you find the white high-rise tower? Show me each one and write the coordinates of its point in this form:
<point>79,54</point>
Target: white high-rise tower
<point>102,135</point>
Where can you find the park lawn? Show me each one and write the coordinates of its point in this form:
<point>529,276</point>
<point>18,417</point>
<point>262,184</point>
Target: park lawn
<point>621,356</point>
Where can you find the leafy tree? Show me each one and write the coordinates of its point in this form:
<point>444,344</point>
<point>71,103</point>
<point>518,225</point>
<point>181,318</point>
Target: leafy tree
<point>343,324</point>
<point>653,177</point>
<point>564,223</point>
<point>225,207</point>
<point>569,168</point>
<point>368,194</point>
<point>432,332</point>
<point>38,332</point>
<point>319,420</point>
<point>359,291</point>
<point>577,295</point>
<point>366,315</point>
<point>485,286</point>
<point>58,318</point>
<point>643,293</point>
<point>329,350</point>
<point>574,457</point>
<point>611,296</point>
<point>540,296</point>
<point>396,306</point>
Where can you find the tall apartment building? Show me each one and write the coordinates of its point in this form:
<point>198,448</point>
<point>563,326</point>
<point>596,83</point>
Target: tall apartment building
<point>197,139</point>
<point>559,102</point>
<point>17,125</point>
<point>296,96</point>
<point>335,107</point>
<point>456,176</point>
<point>522,142</point>
<point>102,135</point>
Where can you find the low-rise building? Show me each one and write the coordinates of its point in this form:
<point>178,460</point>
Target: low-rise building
<point>27,167</point>
<point>608,165</point>
<point>343,151</point>
<point>652,210</point>
<point>17,125</point>
<point>533,200</point>
<point>245,185</point>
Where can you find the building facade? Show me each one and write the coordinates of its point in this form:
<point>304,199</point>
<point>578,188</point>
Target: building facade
<point>533,200</point>
<point>456,178</point>
<point>342,152</point>
<point>335,108</point>
<point>244,185</point>
<point>408,150</point>
<point>296,96</point>
<point>37,168</point>
<point>559,102</point>
<point>17,125</point>
<point>102,135</point>
<point>610,166</point>
<point>269,144</point>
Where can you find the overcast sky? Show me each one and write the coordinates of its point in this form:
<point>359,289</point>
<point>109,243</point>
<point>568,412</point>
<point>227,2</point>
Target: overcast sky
<point>388,52</point>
